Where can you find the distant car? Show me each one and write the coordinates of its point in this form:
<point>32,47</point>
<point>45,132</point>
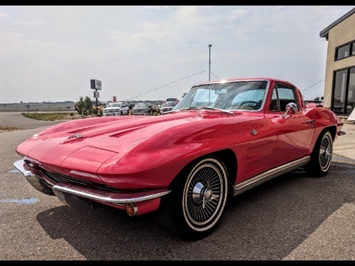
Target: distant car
<point>223,138</point>
<point>144,108</point>
<point>176,100</point>
<point>116,108</point>
<point>141,108</point>
<point>319,101</point>
<point>167,106</point>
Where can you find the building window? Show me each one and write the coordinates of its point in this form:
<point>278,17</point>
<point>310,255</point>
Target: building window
<point>345,51</point>
<point>351,91</point>
<point>344,91</point>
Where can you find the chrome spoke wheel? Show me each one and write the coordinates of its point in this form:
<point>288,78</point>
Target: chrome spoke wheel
<point>205,194</point>
<point>321,157</point>
<point>325,152</point>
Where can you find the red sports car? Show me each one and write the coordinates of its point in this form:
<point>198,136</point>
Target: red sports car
<point>221,139</point>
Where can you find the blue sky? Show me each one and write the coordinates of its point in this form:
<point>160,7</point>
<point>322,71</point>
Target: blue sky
<point>50,53</point>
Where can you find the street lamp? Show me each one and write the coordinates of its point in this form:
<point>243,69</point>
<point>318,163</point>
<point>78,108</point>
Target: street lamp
<point>209,72</point>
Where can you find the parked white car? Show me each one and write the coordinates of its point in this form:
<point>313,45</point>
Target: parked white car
<point>116,108</point>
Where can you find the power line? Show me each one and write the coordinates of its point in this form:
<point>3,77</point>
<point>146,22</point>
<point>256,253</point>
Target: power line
<point>166,84</point>
<point>313,85</point>
<point>215,76</point>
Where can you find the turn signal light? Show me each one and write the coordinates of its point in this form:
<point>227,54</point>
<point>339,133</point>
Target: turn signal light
<point>131,209</point>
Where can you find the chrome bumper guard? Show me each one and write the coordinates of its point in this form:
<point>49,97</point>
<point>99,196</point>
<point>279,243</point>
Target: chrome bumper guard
<point>61,190</point>
<point>106,196</point>
<point>37,182</point>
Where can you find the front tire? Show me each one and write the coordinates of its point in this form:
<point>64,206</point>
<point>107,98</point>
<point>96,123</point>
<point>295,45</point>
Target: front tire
<point>198,199</point>
<point>321,157</point>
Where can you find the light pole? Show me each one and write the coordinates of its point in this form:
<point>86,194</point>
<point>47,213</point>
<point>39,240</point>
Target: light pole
<point>209,71</point>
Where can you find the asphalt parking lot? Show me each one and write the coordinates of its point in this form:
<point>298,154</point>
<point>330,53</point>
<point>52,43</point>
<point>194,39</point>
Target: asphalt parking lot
<point>293,218</point>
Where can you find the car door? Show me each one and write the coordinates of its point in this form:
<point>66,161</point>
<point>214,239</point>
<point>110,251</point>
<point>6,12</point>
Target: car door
<point>294,131</point>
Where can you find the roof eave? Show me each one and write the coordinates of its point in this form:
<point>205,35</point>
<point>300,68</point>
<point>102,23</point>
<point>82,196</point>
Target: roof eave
<point>324,33</point>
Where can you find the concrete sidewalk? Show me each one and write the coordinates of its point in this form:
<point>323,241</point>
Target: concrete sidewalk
<point>344,146</point>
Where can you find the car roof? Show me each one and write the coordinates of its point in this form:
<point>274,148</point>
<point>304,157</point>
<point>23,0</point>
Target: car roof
<point>245,79</point>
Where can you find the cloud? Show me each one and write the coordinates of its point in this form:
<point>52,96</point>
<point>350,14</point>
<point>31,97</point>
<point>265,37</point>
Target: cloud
<point>51,52</point>
<point>3,14</point>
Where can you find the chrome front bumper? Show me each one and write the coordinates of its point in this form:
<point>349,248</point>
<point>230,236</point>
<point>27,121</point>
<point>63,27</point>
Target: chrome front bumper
<point>71,194</point>
<point>36,181</point>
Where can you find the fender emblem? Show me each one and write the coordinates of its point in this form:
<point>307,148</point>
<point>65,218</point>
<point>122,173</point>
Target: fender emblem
<point>254,132</point>
<point>78,136</point>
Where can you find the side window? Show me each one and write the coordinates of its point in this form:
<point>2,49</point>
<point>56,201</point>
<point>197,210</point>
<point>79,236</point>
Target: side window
<point>275,103</point>
<point>281,96</point>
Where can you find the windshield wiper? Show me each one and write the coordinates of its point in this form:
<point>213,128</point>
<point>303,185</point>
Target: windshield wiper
<point>206,107</point>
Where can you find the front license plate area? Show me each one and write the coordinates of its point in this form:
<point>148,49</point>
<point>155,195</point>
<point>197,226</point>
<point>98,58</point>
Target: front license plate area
<point>74,201</point>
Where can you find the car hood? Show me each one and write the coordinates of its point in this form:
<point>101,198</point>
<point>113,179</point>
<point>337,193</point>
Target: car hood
<point>107,142</point>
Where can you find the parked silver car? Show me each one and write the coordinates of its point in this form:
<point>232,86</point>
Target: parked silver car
<point>167,106</point>
<point>145,108</point>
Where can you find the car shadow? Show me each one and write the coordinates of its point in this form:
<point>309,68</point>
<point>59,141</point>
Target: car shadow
<point>264,223</point>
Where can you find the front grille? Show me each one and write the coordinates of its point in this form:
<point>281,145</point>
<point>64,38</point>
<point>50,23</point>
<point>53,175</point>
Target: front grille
<point>59,178</point>
<point>111,111</point>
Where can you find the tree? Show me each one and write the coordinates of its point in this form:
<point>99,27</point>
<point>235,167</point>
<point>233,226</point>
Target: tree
<point>88,105</point>
<point>84,106</point>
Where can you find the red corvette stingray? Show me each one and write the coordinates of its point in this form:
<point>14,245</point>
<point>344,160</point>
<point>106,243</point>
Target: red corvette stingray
<point>221,139</point>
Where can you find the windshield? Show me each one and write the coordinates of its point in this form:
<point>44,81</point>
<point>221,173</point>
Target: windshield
<point>114,105</point>
<point>241,95</point>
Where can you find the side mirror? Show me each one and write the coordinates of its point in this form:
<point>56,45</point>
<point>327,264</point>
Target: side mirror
<point>291,108</point>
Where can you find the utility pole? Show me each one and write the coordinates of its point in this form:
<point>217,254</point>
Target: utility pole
<point>209,72</point>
